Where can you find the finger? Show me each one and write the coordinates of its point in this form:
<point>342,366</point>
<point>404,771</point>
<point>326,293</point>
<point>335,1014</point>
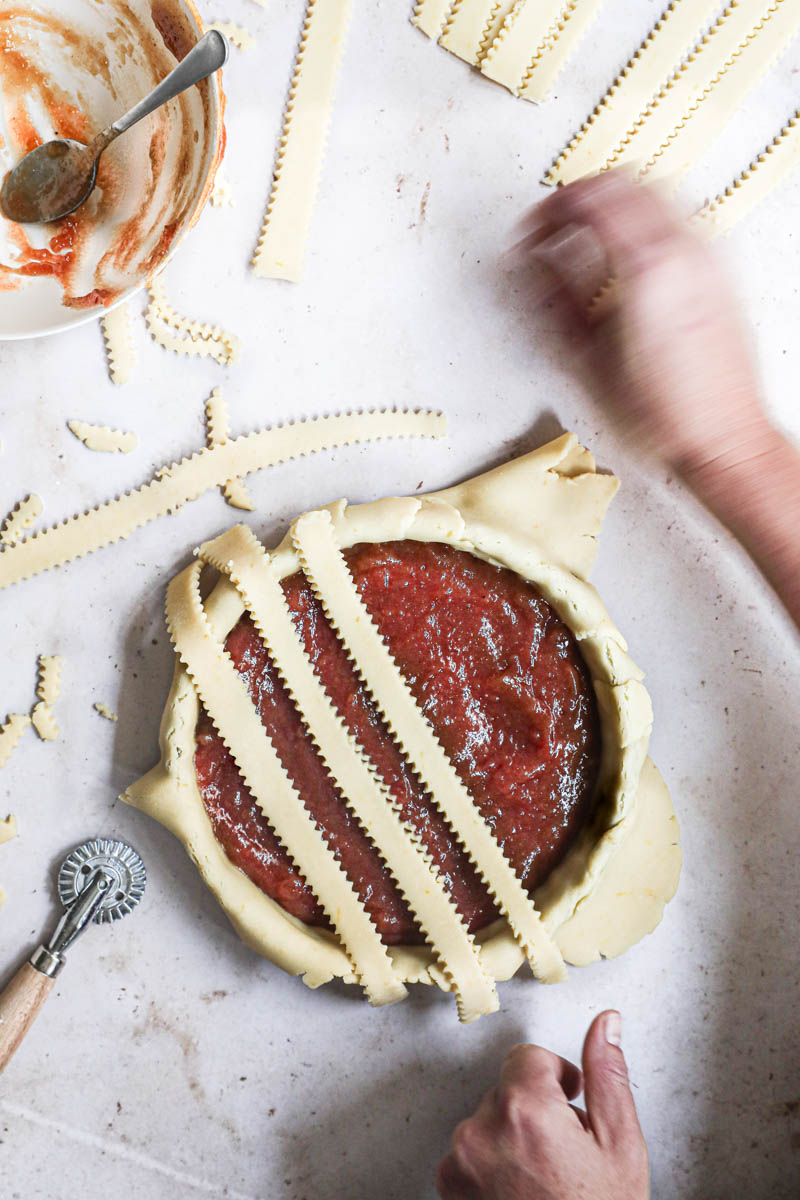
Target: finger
<point>582,1117</point>
<point>609,1101</point>
<point>451,1184</point>
<point>534,1070</point>
<point>576,258</point>
<point>629,219</point>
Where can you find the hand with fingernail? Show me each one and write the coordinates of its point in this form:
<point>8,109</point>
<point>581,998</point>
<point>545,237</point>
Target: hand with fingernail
<point>528,1141</point>
<point>666,349</point>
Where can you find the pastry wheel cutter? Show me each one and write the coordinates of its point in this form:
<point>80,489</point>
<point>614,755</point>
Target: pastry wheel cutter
<point>98,882</point>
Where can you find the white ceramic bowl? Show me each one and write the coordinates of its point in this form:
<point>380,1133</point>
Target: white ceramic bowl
<point>69,67</point>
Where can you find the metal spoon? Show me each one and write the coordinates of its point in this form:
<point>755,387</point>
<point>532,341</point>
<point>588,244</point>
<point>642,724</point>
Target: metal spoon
<point>57,177</point>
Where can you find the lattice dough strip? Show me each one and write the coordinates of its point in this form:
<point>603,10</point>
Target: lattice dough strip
<point>556,48</point>
<point>764,173</point>
<point>333,585</point>
<point>660,54</point>
<point>430,16</point>
<point>724,94</point>
<point>527,25</point>
<point>178,483</point>
<point>466,30</point>
<point>227,701</point>
<point>736,49</point>
<point>48,685</point>
<point>239,555</point>
<point>10,734</point>
<point>118,336</point>
<point>281,248</point>
<point>22,517</point>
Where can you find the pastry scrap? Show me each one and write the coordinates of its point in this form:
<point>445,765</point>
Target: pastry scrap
<point>48,686</point>
<point>677,93</point>
<point>103,439</point>
<point>166,326</point>
<point>8,828</point>
<point>10,734</point>
<point>44,722</point>
<point>21,519</point>
<point>178,483</point>
<point>105,711</point>
<point>221,193</point>
<point>234,490</point>
<point>116,326</point>
<point>535,519</point>
<point>281,248</point>
<point>234,33</point>
<point>522,44</point>
<point>766,172</point>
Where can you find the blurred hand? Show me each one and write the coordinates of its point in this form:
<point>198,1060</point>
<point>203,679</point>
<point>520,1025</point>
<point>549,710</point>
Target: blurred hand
<point>667,344</point>
<point>526,1141</point>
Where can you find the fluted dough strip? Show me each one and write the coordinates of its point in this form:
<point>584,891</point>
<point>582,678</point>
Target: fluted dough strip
<point>767,171</point>
<point>178,483</point>
<point>227,702</point>
<point>200,338</point>
<point>333,585</point>
<point>711,108</point>
<point>239,555</point>
<point>556,48</point>
<point>527,25</point>
<point>10,733</point>
<point>466,31</point>
<point>430,16</point>
<point>660,53</point>
<point>21,519</point>
<point>102,438</point>
<point>116,325</point>
<point>281,247</point>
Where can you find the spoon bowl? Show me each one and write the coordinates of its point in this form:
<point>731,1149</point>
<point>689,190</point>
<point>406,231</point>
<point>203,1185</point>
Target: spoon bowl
<point>50,182</point>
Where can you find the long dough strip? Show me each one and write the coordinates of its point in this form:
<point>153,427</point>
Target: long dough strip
<point>239,555</point>
<point>281,248</point>
<point>672,37</point>
<point>333,585</point>
<point>234,490</point>
<point>736,49</point>
<point>430,16</point>
<point>10,733</point>
<point>764,173</point>
<point>527,25</point>
<point>556,48</point>
<point>704,118</point>
<point>227,701</point>
<point>21,519</point>
<point>178,483</point>
<point>118,336</point>
<point>48,685</point>
<point>466,31</point>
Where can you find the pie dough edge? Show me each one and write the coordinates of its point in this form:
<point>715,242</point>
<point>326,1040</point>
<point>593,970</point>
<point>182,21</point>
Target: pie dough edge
<point>597,885</point>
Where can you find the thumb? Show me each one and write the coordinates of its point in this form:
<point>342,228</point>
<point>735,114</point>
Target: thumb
<point>609,1102</point>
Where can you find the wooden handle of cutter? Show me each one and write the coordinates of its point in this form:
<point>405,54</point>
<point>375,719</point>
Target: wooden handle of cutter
<point>20,1001</point>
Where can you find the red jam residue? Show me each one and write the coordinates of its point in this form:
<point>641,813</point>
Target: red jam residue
<point>496,672</point>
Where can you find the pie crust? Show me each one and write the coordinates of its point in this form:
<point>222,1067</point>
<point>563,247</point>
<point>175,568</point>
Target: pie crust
<point>538,515</point>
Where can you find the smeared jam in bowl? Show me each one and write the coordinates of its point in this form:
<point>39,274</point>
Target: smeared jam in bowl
<point>67,69</point>
<point>502,681</point>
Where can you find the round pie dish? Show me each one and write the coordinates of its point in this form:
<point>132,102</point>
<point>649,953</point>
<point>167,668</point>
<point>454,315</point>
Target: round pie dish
<point>69,68</point>
<point>535,520</point>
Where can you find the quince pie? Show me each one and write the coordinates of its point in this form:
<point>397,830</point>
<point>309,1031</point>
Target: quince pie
<point>408,744</point>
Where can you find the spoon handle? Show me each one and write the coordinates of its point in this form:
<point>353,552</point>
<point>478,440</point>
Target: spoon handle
<point>210,53</point>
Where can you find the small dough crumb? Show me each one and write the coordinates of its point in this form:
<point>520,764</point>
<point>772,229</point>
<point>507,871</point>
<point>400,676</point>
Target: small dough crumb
<point>234,33</point>
<point>10,733</point>
<point>100,437</point>
<point>44,722</point>
<point>221,193</point>
<point>21,519</point>
<point>105,711</point>
<point>8,828</point>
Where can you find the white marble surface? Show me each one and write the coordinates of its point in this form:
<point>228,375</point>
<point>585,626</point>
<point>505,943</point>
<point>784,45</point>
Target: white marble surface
<point>174,1063</point>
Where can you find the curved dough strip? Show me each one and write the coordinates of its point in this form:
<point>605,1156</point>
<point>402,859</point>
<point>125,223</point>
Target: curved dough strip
<point>227,701</point>
<point>333,585</point>
<point>181,482</point>
<point>100,437</point>
<point>239,555</point>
